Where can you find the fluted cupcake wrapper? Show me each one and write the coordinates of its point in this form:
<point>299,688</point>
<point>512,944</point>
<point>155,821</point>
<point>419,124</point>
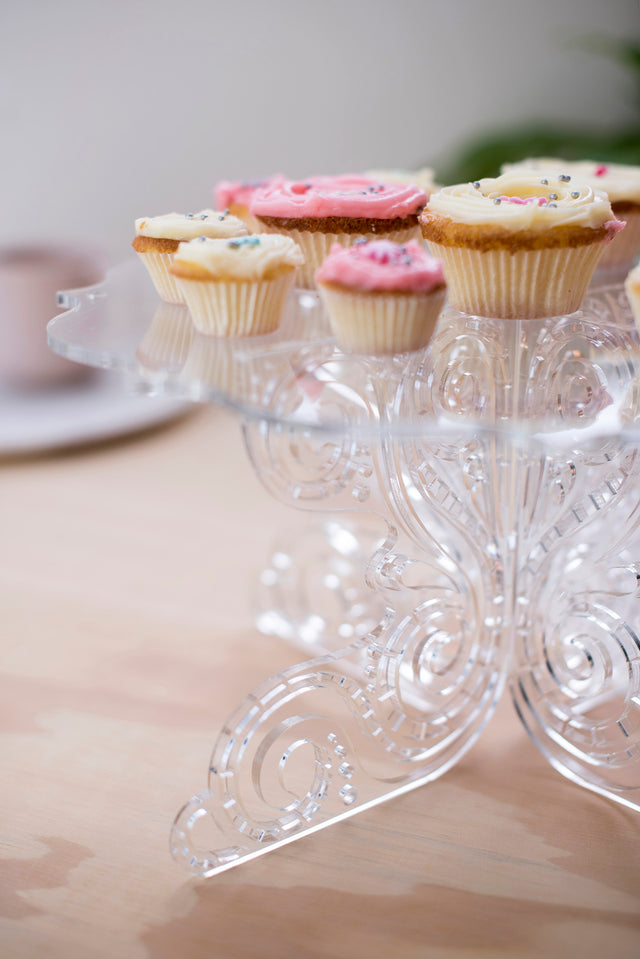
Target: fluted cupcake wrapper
<point>236,308</point>
<point>623,249</point>
<point>316,247</point>
<point>381,323</point>
<point>158,266</point>
<point>527,284</point>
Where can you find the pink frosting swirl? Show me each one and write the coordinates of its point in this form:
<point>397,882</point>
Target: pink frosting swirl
<point>346,196</point>
<point>382,265</point>
<point>239,192</point>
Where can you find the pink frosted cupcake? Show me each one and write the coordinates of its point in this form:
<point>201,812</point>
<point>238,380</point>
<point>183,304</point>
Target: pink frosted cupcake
<point>382,297</point>
<point>236,195</point>
<point>321,211</point>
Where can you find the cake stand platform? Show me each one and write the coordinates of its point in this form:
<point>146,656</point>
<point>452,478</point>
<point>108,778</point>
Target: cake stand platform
<point>475,516</point>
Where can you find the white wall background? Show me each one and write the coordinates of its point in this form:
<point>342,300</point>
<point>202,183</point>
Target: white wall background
<point>112,110</point>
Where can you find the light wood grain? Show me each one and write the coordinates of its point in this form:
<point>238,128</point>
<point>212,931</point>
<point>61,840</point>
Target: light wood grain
<point>127,637</point>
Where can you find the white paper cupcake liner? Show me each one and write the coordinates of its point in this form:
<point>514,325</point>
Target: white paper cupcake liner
<point>382,323</point>
<point>527,284</point>
<point>236,308</point>
<point>316,246</point>
<point>622,251</point>
<point>158,266</point>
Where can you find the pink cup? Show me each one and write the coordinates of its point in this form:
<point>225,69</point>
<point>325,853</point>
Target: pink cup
<point>30,277</point>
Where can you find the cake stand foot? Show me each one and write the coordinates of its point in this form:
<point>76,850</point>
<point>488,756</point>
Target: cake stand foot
<point>333,736</point>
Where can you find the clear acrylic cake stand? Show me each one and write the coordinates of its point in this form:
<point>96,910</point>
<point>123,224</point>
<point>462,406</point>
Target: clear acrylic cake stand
<point>482,527</point>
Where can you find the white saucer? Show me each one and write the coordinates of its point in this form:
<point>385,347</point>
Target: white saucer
<point>97,408</point>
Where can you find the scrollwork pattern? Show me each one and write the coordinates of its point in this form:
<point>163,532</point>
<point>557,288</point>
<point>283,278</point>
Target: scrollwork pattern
<point>345,731</point>
<point>499,496</point>
<point>576,677</point>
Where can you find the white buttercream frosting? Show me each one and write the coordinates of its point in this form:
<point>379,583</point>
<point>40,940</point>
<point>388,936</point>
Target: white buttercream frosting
<point>242,258</point>
<point>188,226</point>
<point>523,200</point>
<point>619,181</point>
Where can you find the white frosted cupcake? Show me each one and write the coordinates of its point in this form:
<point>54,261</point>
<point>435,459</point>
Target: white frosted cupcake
<point>236,287</point>
<point>620,182</point>
<point>518,246</point>
<point>382,297</point>
<point>157,239</point>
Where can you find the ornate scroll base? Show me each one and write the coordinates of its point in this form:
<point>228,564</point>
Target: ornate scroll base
<point>340,733</point>
<point>505,551</point>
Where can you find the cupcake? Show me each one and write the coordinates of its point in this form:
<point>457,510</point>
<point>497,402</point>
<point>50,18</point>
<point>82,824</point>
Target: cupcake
<point>157,239</point>
<point>236,287</point>
<point>381,297</point>
<point>518,246</point>
<point>621,183</point>
<point>321,211</point>
<point>235,197</point>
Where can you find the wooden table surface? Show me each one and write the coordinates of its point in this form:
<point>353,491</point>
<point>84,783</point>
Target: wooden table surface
<point>126,574</point>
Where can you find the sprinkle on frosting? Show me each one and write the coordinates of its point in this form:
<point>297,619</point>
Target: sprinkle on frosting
<point>381,265</point>
<point>339,196</point>
<point>244,241</point>
<point>188,226</point>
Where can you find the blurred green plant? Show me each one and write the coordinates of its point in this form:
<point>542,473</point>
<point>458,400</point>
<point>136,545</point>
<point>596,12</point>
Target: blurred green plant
<point>484,155</point>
